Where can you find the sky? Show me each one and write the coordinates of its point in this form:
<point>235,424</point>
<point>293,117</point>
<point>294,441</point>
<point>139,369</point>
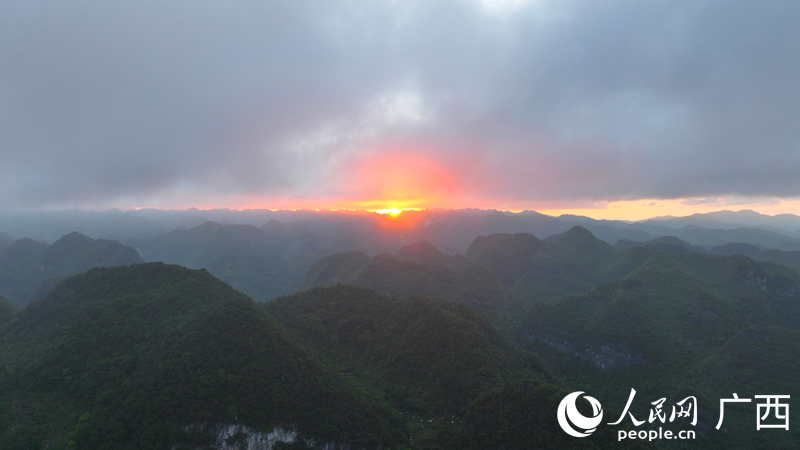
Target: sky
<point>612,109</point>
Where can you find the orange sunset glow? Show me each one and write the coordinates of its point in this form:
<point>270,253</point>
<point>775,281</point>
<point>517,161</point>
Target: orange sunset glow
<point>394,182</point>
<point>402,180</point>
<point>417,184</point>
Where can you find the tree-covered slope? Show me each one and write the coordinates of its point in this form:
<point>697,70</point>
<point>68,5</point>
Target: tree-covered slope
<point>429,358</point>
<point>758,360</point>
<point>563,265</point>
<point>148,356</point>
<point>420,269</point>
<point>677,326</point>
<point>438,354</point>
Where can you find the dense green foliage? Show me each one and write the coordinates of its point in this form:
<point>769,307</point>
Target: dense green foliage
<point>508,255</point>
<point>678,326</point>
<point>127,357</point>
<point>520,415</point>
<point>433,355</point>
<point>429,358</point>
<point>421,270</point>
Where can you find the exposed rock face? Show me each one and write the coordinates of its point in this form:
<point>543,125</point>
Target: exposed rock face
<point>242,437</point>
<point>604,356</point>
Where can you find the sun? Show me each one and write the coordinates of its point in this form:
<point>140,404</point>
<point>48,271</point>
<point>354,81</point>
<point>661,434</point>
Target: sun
<point>390,211</point>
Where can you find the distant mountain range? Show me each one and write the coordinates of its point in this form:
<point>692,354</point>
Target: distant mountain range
<point>449,230</point>
<point>271,258</point>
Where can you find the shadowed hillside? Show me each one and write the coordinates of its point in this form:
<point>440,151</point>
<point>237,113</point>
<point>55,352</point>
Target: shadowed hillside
<point>28,269</point>
<point>681,325</point>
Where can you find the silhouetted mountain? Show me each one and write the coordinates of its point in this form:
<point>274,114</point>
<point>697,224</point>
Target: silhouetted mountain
<point>733,219</point>
<point>738,248</point>
<point>673,244</point>
<point>426,253</point>
<point>789,259</point>
<point>451,231</point>
<point>5,240</point>
<point>276,230</point>
<point>508,255</point>
<point>577,245</point>
<point>247,257</point>
<point>762,238</point>
<point>565,264</point>
<point>26,265</point>
<point>159,356</point>
<point>624,244</point>
<point>20,269</point>
<point>75,253</point>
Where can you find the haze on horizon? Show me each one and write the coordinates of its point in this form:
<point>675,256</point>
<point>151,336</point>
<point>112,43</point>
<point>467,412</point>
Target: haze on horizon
<point>617,109</point>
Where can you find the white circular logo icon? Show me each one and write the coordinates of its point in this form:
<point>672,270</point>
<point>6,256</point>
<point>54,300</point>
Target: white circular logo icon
<point>570,418</point>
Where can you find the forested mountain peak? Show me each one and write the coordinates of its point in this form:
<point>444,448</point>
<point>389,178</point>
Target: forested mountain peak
<point>421,252</point>
<point>439,354</point>
<point>579,238</point>
<point>500,243</point>
<point>30,268</point>
<point>75,252</point>
<point>168,354</point>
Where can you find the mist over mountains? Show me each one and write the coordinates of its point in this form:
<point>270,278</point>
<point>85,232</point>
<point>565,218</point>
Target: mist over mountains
<point>269,253</point>
<point>449,230</point>
<point>424,330</point>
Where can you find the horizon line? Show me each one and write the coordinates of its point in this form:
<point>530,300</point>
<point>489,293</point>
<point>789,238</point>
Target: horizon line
<point>387,211</point>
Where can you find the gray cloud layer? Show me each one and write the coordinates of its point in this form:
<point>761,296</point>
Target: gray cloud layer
<point>175,103</point>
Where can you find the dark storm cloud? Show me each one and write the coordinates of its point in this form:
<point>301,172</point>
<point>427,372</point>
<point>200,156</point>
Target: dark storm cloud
<point>174,103</point>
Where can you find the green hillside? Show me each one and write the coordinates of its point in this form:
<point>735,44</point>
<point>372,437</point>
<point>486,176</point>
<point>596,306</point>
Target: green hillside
<point>758,360</point>
<point>428,357</point>
<point>421,270</point>
<point>509,255</point>
<point>669,328</point>
<point>152,355</point>
<point>574,264</point>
